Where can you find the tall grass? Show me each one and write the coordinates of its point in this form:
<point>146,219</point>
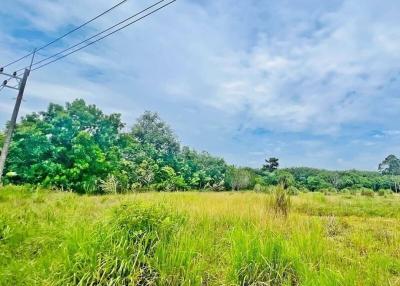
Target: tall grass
<point>280,200</point>
<point>51,238</point>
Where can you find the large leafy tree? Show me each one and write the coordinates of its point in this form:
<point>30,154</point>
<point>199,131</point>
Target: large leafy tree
<point>390,166</point>
<point>159,143</point>
<point>70,147</point>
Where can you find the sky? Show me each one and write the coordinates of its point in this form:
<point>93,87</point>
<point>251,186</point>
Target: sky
<point>314,83</point>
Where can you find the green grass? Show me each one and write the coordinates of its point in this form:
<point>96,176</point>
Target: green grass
<point>53,238</point>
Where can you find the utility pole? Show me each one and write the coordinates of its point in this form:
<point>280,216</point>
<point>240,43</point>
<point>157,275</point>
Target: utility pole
<point>21,88</point>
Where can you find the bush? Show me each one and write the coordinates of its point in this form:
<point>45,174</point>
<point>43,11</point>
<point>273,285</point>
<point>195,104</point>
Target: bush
<point>280,201</point>
<point>328,191</point>
<point>350,191</point>
<point>261,189</point>
<point>367,192</point>
<point>110,185</point>
<point>292,190</point>
<point>384,192</point>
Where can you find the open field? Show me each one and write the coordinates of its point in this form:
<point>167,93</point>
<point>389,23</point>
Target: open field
<point>52,238</point>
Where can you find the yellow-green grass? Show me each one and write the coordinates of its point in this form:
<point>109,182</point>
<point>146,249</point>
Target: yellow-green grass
<point>193,238</point>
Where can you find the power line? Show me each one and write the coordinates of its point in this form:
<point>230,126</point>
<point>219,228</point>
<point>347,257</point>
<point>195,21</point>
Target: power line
<point>96,35</point>
<point>103,37</point>
<point>67,34</point>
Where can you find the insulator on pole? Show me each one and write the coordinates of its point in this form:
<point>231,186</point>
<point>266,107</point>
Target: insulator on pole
<point>1,69</point>
<point>14,74</point>
<point>5,82</point>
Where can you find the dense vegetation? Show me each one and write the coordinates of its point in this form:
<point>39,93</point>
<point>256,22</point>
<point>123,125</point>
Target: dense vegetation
<point>77,147</point>
<point>192,238</point>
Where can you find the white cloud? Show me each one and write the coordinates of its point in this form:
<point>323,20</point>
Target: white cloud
<point>210,67</point>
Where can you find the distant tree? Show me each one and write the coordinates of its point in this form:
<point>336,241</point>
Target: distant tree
<point>201,170</point>
<point>390,166</point>
<point>271,164</point>
<point>152,130</point>
<point>315,183</point>
<point>285,178</point>
<point>239,178</point>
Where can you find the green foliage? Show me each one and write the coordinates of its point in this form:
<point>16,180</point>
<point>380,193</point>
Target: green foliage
<point>293,191</point>
<point>317,179</point>
<point>384,192</point>
<point>390,166</point>
<point>70,148</point>
<point>201,170</point>
<point>284,178</point>
<point>79,148</point>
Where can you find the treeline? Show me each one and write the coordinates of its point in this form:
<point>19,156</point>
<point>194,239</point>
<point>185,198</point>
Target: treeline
<point>317,179</point>
<point>79,148</point>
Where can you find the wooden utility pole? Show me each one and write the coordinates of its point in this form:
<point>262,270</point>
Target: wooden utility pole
<point>13,122</point>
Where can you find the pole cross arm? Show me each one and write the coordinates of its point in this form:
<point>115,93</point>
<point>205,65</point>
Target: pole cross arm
<point>11,87</point>
<point>11,75</point>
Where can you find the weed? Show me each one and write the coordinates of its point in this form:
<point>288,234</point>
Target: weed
<point>280,201</point>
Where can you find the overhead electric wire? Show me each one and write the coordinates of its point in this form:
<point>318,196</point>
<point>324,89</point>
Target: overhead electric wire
<point>97,34</point>
<point>105,36</point>
<point>67,34</point>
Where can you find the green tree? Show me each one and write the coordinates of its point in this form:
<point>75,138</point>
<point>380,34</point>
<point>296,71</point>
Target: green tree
<point>201,170</point>
<point>70,147</point>
<point>390,166</point>
<point>284,178</point>
<point>152,130</point>
<point>239,178</point>
<point>271,164</point>
<point>315,183</point>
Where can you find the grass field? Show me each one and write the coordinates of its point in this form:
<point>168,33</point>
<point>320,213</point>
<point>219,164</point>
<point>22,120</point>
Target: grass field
<point>52,238</point>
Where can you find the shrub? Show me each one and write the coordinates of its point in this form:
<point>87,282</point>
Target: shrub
<point>292,190</point>
<point>261,189</point>
<point>384,192</point>
<point>328,191</point>
<point>367,192</point>
<point>280,200</point>
<point>110,185</point>
<point>350,191</point>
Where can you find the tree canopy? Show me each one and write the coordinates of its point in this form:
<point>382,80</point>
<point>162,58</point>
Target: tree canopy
<point>390,166</point>
<point>78,147</point>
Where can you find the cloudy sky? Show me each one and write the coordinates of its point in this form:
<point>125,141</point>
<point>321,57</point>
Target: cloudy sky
<point>315,83</point>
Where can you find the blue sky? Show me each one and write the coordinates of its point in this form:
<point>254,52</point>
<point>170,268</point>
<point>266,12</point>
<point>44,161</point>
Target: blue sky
<point>315,83</point>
